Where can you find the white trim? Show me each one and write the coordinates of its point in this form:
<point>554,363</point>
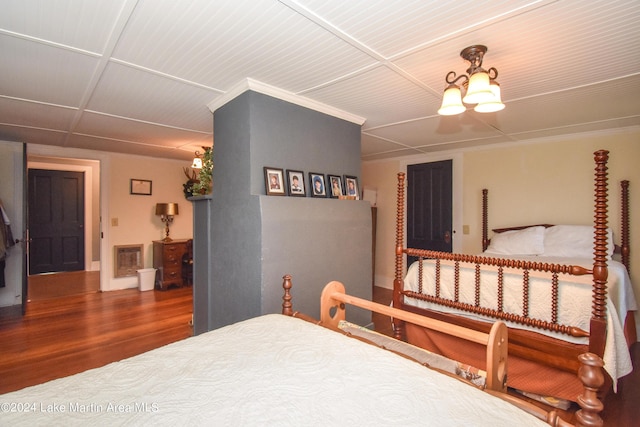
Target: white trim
<point>257,86</point>
<point>12,192</point>
<point>103,158</point>
<point>88,197</point>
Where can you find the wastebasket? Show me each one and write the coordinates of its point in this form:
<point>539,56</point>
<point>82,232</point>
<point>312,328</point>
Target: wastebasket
<point>146,279</point>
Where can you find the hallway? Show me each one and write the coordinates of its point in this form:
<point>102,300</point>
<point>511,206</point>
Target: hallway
<point>56,285</point>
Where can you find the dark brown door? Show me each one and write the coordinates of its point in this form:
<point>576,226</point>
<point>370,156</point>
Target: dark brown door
<point>429,206</point>
<point>56,221</point>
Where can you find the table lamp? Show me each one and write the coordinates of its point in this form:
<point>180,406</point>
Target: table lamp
<point>166,212</point>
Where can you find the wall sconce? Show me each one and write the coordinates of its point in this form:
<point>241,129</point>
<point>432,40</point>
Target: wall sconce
<point>166,211</point>
<point>481,86</point>
<point>197,160</point>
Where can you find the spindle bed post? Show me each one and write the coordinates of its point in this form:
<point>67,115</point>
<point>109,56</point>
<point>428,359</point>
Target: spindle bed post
<point>598,324</point>
<point>398,280</point>
<point>485,220</point>
<point>625,224</point>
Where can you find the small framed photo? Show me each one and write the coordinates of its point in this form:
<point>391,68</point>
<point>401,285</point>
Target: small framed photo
<point>140,186</point>
<point>295,181</point>
<point>335,185</point>
<point>351,186</point>
<point>274,181</point>
<point>316,181</point>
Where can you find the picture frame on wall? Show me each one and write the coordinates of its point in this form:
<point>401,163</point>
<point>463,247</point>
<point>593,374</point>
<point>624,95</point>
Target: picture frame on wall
<point>295,181</point>
<point>351,187</point>
<point>317,185</point>
<point>141,187</point>
<point>335,186</point>
<point>274,181</point>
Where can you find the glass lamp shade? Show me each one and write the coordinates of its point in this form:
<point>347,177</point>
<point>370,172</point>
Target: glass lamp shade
<point>493,105</point>
<point>478,90</point>
<point>197,163</point>
<point>451,102</point>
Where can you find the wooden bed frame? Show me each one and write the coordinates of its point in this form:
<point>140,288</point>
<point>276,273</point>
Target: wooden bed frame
<point>333,310</point>
<point>527,345</point>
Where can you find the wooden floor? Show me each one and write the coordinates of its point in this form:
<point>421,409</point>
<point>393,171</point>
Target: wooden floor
<point>58,285</point>
<point>63,335</point>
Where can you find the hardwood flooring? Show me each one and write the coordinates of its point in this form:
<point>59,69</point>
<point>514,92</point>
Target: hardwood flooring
<point>65,335</point>
<point>60,336</point>
<point>58,285</point>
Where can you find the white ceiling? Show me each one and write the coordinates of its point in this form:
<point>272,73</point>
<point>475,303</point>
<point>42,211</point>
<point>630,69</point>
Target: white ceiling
<point>137,76</point>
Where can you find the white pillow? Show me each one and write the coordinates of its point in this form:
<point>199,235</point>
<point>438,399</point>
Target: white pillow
<point>529,241</point>
<point>573,241</point>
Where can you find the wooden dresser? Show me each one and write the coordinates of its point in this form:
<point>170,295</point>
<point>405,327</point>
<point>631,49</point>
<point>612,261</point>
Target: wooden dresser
<point>167,258</point>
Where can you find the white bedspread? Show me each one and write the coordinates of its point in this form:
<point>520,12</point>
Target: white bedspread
<point>272,370</point>
<point>574,300</point>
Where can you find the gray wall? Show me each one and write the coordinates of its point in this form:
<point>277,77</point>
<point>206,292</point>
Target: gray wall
<point>252,240</point>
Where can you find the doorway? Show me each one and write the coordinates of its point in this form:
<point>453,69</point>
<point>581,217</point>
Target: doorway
<point>430,206</point>
<point>86,275</point>
<point>12,198</point>
<point>56,221</point>
<point>455,175</point>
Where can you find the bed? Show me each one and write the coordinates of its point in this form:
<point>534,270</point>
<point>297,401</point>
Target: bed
<point>287,369</point>
<point>556,287</point>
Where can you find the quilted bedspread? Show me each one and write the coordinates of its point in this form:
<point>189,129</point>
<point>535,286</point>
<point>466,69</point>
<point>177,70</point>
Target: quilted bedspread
<point>270,370</point>
<point>574,300</point>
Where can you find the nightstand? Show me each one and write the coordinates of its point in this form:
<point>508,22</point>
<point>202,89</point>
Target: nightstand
<point>167,259</point>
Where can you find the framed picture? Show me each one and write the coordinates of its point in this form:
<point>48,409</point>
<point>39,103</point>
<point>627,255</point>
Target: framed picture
<point>140,186</point>
<point>274,181</point>
<point>351,185</point>
<point>316,181</point>
<point>295,181</point>
<point>335,186</point>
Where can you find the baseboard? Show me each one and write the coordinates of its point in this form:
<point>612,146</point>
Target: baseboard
<point>383,281</point>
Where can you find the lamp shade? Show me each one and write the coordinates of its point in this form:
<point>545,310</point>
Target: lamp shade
<point>451,102</point>
<point>166,209</point>
<point>197,163</point>
<point>493,105</point>
<point>478,90</point>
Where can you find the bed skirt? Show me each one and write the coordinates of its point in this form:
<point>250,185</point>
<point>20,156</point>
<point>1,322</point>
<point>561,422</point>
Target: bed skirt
<point>522,374</point>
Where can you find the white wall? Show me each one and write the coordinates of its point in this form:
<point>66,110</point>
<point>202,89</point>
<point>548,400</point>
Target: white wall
<point>135,214</point>
<point>382,177</point>
<point>11,192</point>
<point>534,182</point>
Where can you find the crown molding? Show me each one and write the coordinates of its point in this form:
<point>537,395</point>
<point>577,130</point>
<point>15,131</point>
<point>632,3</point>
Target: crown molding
<point>265,89</point>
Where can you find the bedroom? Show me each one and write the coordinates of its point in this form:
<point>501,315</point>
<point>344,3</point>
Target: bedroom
<point>625,120</point>
<point>558,171</point>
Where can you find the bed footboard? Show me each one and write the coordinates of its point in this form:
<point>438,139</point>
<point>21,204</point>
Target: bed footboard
<point>333,311</point>
<point>595,329</point>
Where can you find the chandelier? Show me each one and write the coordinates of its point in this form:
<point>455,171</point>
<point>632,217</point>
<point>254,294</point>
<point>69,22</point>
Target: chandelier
<point>481,87</point>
